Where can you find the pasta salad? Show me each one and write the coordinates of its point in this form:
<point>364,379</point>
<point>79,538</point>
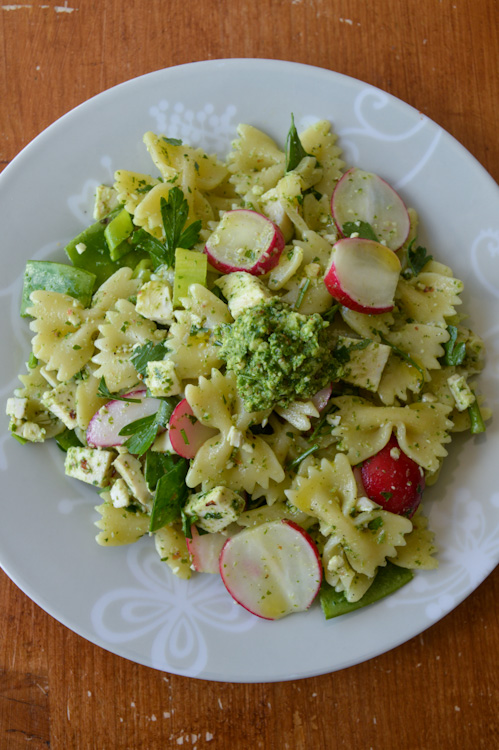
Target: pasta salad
<point>255,363</point>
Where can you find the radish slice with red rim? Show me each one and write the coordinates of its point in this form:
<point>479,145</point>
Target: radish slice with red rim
<point>245,240</point>
<point>363,196</point>
<point>272,570</point>
<point>104,428</point>
<point>363,275</point>
<point>205,550</point>
<point>187,434</point>
<point>321,399</point>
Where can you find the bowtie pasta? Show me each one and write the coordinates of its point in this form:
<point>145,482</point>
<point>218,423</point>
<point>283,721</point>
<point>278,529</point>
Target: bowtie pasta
<point>203,400</point>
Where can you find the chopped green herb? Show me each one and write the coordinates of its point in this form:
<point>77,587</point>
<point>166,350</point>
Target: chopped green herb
<point>362,228</point>
<point>148,352</point>
<point>143,431</point>
<point>294,147</point>
<point>104,392</point>
<point>301,295</point>
<point>297,461</point>
<point>416,260</point>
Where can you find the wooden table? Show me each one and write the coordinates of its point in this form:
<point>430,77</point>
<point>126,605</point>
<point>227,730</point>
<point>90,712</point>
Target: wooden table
<point>440,690</point>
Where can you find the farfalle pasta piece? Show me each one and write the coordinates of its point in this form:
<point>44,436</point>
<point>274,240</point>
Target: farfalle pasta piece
<point>429,297</point>
<point>120,285</point>
<point>424,343</point>
<point>421,428</point>
<point>119,526</point>
<point>329,492</point>
<point>398,378</point>
<point>132,187</point>
<point>255,162</point>
<point>191,339</point>
<point>234,458</point>
<point>419,549</point>
<point>122,331</point>
<point>318,140</point>
<point>171,159</point>
<point>65,332</point>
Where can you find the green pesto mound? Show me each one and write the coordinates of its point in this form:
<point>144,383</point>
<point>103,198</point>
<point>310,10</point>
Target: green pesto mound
<point>278,355</point>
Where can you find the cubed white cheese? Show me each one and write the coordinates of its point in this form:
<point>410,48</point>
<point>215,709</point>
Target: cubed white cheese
<point>154,301</point>
<point>215,509</point>
<point>129,467</point>
<point>61,401</point>
<point>90,465</point>
<point>106,198</point>
<point>242,290</point>
<point>161,378</point>
<point>29,431</point>
<point>16,407</point>
<point>120,494</point>
<point>462,393</point>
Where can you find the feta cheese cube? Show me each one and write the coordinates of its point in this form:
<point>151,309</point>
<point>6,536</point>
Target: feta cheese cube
<point>120,494</point>
<point>61,401</point>
<point>215,509</point>
<point>154,301</point>
<point>90,465</point>
<point>462,393</point>
<point>16,407</point>
<point>161,378</point>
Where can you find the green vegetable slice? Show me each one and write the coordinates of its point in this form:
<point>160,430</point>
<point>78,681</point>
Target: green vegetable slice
<point>56,277</point>
<point>388,580</point>
<point>190,268</point>
<point>117,232</point>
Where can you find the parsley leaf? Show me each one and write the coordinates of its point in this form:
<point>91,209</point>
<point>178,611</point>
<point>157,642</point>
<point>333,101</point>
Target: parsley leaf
<point>416,260</point>
<point>104,392</point>
<point>174,213</point>
<point>170,496</point>
<point>362,228</point>
<point>172,141</point>
<point>294,147</point>
<point>143,431</point>
<point>454,353</point>
<point>149,352</point>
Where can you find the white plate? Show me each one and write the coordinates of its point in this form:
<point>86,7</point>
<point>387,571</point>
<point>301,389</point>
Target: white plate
<point>124,599</point>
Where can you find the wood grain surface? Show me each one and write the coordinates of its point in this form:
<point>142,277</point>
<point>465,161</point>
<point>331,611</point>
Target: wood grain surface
<point>440,690</point>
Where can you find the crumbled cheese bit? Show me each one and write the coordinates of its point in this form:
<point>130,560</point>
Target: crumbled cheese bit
<point>120,494</point>
<point>462,393</point>
<point>16,407</point>
<point>80,248</point>
<point>395,453</point>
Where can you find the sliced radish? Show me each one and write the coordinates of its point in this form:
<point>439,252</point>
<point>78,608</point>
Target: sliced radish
<point>205,550</point>
<point>245,241</point>
<point>393,480</point>
<point>272,569</point>
<point>187,434</point>
<point>104,427</point>
<point>363,196</point>
<point>321,399</point>
<point>363,275</point>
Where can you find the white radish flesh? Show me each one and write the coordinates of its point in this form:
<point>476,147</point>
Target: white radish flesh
<point>363,196</point>
<point>272,570</point>
<point>104,428</point>
<point>363,275</point>
<point>321,399</point>
<point>187,434</point>
<point>245,241</point>
<point>205,550</point>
